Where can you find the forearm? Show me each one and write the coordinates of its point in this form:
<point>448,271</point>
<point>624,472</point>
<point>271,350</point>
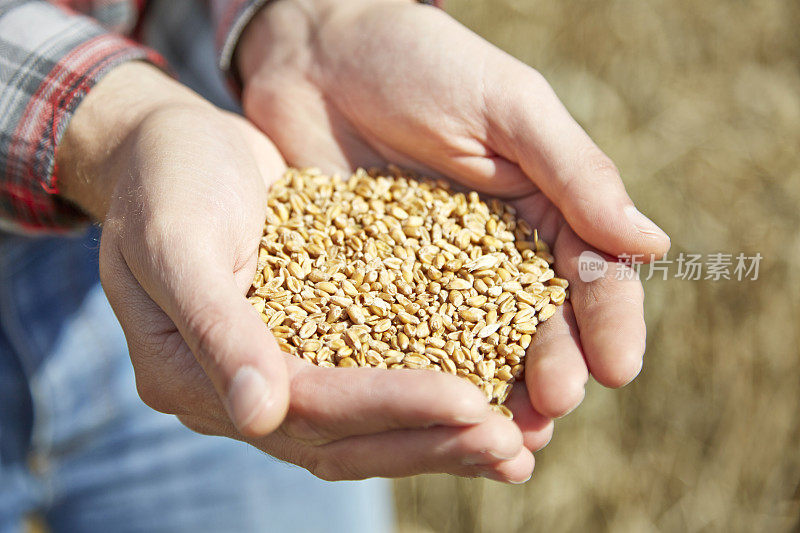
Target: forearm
<point>93,145</point>
<point>52,59</point>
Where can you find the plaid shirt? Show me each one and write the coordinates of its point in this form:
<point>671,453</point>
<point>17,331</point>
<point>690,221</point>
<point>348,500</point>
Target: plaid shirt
<point>51,54</point>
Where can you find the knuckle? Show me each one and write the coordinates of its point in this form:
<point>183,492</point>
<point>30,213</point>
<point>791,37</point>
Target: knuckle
<point>599,292</point>
<point>524,77</point>
<point>536,79</point>
<point>528,85</point>
<point>600,163</point>
<point>592,170</point>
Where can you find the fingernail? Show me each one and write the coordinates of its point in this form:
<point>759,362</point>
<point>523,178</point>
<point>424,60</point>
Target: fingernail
<point>494,476</point>
<point>523,481</point>
<point>491,474</point>
<point>642,223</point>
<point>484,457</point>
<point>247,396</point>
<point>576,405</point>
<point>638,371</point>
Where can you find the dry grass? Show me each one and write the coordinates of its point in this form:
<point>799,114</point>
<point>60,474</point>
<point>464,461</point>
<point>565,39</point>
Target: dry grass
<point>699,105</point>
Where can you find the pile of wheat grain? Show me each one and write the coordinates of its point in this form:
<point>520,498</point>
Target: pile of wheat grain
<point>390,271</point>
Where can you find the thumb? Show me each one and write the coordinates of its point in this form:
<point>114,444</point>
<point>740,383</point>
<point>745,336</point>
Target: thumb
<point>535,130</point>
<point>234,347</point>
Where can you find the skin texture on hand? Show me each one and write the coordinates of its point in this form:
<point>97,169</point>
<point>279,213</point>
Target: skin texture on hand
<point>181,189</point>
<point>362,83</point>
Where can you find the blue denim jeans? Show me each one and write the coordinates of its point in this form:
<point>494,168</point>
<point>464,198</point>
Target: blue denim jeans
<point>78,447</point>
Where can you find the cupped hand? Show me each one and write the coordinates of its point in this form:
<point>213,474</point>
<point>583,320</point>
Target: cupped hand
<point>367,82</point>
<point>181,188</point>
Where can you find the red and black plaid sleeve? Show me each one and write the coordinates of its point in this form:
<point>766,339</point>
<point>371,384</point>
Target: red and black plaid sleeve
<point>51,57</point>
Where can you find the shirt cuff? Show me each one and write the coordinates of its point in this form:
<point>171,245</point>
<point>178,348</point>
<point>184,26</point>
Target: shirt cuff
<point>55,59</point>
<point>230,17</point>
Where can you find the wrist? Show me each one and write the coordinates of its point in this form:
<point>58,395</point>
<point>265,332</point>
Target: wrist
<point>282,27</point>
<point>91,153</point>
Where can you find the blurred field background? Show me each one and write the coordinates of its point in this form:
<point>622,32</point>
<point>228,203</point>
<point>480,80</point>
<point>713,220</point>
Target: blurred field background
<point>699,105</point>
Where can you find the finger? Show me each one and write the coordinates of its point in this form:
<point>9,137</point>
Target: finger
<point>269,161</point>
<point>537,429</point>
<point>237,352</point>
<point>529,125</point>
<point>492,449</point>
<point>555,370</point>
<point>517,470</point>
<point>240,356</point>
<point>468,451</point>
<point>482,170</point>
<point>168,377</point>
<point>334,403</point>
<point>609,313</point>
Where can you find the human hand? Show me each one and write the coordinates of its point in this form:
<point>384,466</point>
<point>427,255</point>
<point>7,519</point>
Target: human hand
<point>181,188</point>
<point>366,82</point>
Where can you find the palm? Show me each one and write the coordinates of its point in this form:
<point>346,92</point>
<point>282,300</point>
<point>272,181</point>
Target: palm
<point>391,100</point>
<point>437,99</point>
<point>178,291</point>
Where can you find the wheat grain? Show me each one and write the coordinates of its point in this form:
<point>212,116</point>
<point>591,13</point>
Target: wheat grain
<point>385,270</point>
